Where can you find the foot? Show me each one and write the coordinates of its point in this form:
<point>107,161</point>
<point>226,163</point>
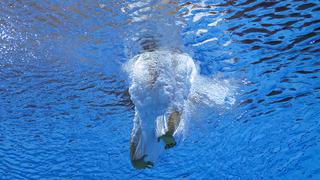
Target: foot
<point>141,163</point>
<point>168,140</point>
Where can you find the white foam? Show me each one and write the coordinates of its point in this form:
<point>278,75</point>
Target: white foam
<point>213,92</point>
<point>166,81</point>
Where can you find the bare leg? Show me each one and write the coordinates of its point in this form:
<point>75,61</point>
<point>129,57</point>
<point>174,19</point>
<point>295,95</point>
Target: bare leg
<point>173,123</point>
<point>138,163</point>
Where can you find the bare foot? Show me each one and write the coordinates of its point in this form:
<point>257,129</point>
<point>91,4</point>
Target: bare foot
<point>169,140</point>
<point>141,163</point>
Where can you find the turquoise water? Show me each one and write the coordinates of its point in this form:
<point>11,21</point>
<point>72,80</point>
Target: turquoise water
<point>65,110</point>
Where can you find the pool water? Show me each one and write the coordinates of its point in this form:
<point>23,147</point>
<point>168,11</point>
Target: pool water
<point>65,109</point>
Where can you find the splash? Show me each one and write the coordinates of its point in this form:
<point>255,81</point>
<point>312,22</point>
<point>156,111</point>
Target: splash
<point>164,86</point>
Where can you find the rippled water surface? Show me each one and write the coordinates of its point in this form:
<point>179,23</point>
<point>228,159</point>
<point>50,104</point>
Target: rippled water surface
<point>65,111</point>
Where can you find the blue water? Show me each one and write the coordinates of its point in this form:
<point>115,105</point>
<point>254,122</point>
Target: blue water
<point>65,111</point>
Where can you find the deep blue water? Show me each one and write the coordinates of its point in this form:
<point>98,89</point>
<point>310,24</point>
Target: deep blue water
<point>65,112</point>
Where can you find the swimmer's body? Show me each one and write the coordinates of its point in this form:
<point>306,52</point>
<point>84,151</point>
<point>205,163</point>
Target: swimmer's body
<point>161,81</point>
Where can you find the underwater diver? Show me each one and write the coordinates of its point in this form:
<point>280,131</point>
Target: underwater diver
<point>160,86</point>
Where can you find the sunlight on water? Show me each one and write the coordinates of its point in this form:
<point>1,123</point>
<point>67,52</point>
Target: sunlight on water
<point>67,106</point>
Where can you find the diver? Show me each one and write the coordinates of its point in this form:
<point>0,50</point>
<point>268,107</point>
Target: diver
<point>148,69</point>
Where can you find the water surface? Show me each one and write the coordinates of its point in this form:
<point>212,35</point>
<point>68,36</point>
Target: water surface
<point>65,111</point>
